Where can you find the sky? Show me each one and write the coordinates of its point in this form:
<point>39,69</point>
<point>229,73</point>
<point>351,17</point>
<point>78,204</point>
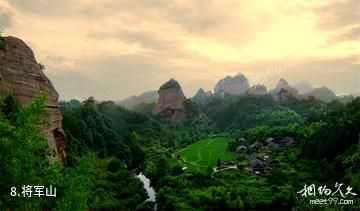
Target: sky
<point>112,49</point>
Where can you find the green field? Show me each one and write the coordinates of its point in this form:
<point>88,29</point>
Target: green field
<point>204,153</point>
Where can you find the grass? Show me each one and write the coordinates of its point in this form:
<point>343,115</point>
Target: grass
<point>204,153</point>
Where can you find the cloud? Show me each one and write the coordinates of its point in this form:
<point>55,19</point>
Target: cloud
<point>45,8</point>
<point>6,16</point>
<point>114,48</point>
<point>351,34</point>
<point>108,77</point>
<point>143,38</point>
<point>337,14</point>
<point>5,19</point>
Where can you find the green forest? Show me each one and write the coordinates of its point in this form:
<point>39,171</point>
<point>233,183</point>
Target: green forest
<point>196,165</point>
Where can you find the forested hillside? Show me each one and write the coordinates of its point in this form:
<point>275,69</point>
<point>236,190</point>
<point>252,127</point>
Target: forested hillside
<point>107,144</point>
<point>93,181</point>
<point>325,150</point>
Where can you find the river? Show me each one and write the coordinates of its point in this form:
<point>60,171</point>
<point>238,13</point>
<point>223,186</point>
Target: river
<point>150,190</point>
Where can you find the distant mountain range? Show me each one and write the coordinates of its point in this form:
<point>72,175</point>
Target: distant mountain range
<point>145,97</point>
<point>240,85</point>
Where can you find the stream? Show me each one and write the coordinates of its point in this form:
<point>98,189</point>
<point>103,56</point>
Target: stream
<point>150,190</point>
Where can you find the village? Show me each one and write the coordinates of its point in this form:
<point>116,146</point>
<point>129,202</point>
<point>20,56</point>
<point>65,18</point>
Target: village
<point>257,157</point>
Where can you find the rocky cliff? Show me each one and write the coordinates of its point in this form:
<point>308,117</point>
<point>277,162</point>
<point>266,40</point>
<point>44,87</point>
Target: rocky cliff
<point>22,75</point>
<point>171,102</point>
<point>232,85</point>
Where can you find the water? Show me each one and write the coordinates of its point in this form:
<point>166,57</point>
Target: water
<point>150,190</point>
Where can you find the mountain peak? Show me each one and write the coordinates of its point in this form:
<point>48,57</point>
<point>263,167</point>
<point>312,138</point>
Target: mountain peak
<point>232,85</point>
<point>172,83</point>
<point>170,103</point>
<point>282,83</point>
<point>201,95</point>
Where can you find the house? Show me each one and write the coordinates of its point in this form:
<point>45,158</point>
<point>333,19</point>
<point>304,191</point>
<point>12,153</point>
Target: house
<point>257,165</point>
<point>241,149</point>
<point>256,145</point>
<point>242,141</point>
<point>271,162</point>
<point>287,142</point>
<point>254,156</point>
<point>269,140</point>
<point>273,145</point>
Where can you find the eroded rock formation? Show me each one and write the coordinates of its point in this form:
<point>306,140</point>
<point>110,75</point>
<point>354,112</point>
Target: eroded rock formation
<point>22,75</point>
<point>232,85</point>
<point>171,102</point>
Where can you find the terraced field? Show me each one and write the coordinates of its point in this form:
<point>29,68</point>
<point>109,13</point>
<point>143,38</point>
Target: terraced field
<point>204,153</point>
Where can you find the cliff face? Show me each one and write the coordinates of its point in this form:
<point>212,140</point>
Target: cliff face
<point>232,85</point>
<point>170,103</point>
<point>21,74</point>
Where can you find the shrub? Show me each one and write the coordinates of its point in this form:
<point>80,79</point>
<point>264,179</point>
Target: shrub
<point>172,83</point>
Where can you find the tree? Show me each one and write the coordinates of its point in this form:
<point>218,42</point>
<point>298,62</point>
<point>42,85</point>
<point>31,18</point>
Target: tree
<point>23,151</point>
<point>172,83</point>
<point>2,42</point>
<point>42,66</point>
<point>218,163</point>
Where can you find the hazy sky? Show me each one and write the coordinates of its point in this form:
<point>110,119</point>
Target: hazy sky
<point>111,49</point>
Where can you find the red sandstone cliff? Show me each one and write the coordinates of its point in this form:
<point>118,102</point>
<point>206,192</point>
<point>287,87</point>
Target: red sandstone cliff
<point>21,74</point>
<point>170,103</point>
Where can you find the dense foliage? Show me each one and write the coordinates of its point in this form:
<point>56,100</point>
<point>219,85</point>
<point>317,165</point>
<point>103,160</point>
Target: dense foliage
<point>172,83</point>
<point>319,157</point>
<point>91,183</point>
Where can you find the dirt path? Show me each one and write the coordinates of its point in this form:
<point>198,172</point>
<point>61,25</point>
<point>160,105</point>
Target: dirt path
<point>229,167</point>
